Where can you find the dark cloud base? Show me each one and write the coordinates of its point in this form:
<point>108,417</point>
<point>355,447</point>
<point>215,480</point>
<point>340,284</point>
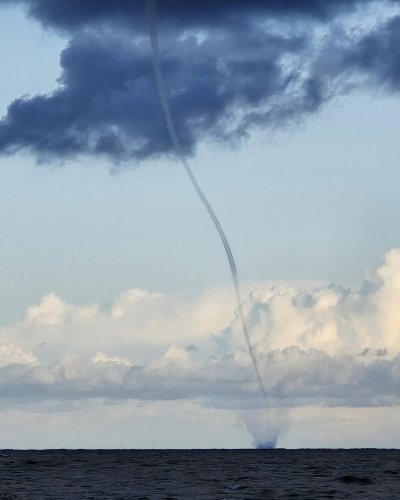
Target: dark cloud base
<point>296,378</point>
<point>235,75</point>
<point>71,15</point>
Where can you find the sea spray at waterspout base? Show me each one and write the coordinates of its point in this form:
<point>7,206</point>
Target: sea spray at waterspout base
<point>265,427</point>
<point>151,15</point>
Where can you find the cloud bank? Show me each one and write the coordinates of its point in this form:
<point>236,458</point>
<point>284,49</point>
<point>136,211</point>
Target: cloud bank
<point>330,346</point>
<point>74,14</point>
<point>230,67</point>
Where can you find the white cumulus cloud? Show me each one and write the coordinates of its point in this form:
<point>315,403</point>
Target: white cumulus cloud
<point>331,346</point>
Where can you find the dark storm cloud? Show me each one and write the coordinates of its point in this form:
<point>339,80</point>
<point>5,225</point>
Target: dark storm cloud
<point>105,103</point>
<point>73,14</point>
<point>249,66</point>
<point>378,55</point>
<point>107,100</point>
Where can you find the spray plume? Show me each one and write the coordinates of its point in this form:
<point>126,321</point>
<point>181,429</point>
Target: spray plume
<point>151,15</point>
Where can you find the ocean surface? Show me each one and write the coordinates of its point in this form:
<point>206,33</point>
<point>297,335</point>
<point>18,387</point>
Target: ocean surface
<point>186,474</point>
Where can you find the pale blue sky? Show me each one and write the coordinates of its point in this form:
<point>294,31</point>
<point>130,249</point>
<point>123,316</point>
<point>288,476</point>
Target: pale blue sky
<point>315,202</point>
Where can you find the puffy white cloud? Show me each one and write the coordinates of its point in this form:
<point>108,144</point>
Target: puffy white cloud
<point>100,357</point>
<point>51,310</point>
<point>333,319</point>
<point>330,345</point>
<point>134,324</point>
<point>13,355</point>
<point>172,357</point>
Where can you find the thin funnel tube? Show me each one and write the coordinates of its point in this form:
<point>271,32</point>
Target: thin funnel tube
<point>151,15</point>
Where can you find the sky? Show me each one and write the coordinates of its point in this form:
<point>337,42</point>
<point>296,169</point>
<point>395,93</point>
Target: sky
<point>118,326</point>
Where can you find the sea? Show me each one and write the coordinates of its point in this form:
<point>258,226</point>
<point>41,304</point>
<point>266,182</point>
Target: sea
<point>212,474</point>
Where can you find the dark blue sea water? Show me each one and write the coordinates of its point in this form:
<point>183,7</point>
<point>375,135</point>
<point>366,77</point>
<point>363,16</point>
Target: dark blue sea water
<point>186,474</point>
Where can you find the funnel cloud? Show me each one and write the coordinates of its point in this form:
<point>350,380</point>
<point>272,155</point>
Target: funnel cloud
<point>151,10</point>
